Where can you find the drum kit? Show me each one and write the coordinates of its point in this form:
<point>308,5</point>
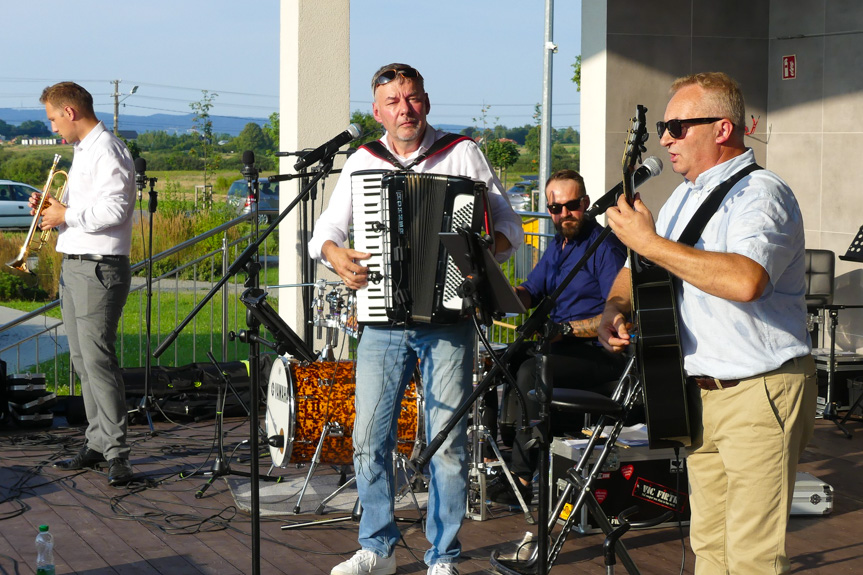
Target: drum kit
<point>310,406</point>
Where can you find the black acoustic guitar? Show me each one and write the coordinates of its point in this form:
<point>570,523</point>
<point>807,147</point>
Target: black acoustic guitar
<point>660,360</point>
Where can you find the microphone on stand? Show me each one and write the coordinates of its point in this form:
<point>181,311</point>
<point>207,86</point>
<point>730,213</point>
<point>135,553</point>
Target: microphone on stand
<point>330,148</point>
<point>140,175</point>
<point>249,172</point>
<point>652,166</point>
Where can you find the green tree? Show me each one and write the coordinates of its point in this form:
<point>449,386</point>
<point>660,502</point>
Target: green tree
<point>203,125</point>
<point>502,154</point>
<point>271,131</point>
<point>252,137</point>
<point>486,132</point>
<point>33,128</point>
<point>531,141</point>
<point>576,68</point>
<point>370,127</point>
<point>562,159</point>
<point>27,169</point>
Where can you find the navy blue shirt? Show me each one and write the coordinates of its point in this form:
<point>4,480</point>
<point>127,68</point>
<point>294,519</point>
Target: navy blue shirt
<point>585,295</point>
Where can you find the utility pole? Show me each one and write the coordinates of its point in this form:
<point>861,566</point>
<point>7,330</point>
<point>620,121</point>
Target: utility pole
<point>116,95</point>
<point>549,48</point>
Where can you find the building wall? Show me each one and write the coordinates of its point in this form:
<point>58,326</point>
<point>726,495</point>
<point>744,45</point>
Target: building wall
<point>314,107</point>
<point>808,130</point>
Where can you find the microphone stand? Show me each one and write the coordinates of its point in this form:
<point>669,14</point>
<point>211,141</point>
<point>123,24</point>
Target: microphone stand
<point>247,261</point>
<point>146,403</point>
<point>533,325</point>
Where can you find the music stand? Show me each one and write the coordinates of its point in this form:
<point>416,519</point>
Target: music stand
<point>854,253</point>
<point>489,281</point>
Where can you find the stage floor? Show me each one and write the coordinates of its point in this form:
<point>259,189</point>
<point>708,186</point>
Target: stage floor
<point>157,525</point>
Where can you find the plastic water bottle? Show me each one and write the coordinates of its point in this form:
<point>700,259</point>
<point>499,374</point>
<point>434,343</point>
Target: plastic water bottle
<point>44,552</point>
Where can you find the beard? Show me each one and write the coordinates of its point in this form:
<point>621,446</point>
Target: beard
<point>570,228</point>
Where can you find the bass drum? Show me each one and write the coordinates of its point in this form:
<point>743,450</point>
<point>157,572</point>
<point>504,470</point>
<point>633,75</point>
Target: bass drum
<point>303,400</point>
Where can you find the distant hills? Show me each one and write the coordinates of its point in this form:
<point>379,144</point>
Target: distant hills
<point>170,123</point>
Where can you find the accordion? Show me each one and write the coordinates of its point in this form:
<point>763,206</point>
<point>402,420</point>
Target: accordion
<point>397,217</point>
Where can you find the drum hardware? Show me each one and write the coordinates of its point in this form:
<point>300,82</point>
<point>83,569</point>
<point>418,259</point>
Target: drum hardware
<point>401,462</point>
<point>334,311</point>
<point>480,436</point>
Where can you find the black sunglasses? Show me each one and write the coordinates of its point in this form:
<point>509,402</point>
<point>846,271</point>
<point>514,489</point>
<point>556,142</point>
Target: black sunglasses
<point>388,76</point>
<point>571,205</point>
<point>675,127</point>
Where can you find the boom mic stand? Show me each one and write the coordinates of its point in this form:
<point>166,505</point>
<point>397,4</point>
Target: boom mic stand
<point>533,325</point>
<point>247,261</point>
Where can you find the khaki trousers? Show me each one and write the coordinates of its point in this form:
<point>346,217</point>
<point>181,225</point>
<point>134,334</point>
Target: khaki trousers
<point>742,466</point>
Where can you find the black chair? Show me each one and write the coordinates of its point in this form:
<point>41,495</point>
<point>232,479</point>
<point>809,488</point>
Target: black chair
<point>612,413</point>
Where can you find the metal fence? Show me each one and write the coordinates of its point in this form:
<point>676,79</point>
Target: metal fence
<point>41,342</point>
<point>41,345</point>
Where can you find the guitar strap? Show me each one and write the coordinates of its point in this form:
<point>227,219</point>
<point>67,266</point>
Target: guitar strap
<point>445,142</point>
<point>706,210</point>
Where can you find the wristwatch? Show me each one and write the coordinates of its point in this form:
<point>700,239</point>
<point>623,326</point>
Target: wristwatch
<point>565,328</point>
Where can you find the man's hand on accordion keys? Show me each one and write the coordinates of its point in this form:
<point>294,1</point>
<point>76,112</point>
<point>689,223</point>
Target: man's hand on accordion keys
<point>345,263</point>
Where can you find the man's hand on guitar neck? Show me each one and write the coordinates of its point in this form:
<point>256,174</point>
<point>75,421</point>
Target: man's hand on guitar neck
<point>633,225</point>
<point>344,263</point>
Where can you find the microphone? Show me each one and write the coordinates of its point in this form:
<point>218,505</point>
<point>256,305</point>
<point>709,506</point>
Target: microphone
<point>249,172</point>
<point>140,174</point>
<point>652,166</point>
<point>353,132</point>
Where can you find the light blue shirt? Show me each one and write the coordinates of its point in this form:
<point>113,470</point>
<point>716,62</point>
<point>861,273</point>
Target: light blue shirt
<point>759,219</point>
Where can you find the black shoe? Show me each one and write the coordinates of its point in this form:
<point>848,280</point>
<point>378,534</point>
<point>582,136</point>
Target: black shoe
<point>119,471</point>
<point>500,491</point>
<point>86,457</point>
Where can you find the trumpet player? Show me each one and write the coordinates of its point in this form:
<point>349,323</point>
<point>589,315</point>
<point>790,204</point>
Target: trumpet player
<point>95,234</point>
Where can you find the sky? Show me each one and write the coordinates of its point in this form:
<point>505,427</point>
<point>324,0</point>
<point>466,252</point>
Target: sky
<point>472,54</point>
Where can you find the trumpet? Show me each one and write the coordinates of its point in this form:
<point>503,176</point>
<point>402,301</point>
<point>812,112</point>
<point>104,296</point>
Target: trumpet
<point>20,262</point>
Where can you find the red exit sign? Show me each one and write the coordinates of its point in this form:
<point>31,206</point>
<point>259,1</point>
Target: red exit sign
<point>789,67</point>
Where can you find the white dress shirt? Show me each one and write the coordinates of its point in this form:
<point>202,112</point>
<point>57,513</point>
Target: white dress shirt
<point>101,197</point>
<point>464,159</point>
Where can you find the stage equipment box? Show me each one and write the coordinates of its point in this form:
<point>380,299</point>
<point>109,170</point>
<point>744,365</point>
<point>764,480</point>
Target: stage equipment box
<point>811,496</point>
<point>847,366</point>
<point>652,479</point>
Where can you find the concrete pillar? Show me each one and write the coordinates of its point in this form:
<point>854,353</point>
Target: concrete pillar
<point>314,82</point>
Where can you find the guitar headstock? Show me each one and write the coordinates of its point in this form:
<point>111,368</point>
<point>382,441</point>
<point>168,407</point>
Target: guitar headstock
<point>635,139</point>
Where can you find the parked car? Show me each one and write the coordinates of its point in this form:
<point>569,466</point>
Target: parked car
<point>519,194</point>
<point>268,194</point>
<point>14,209</point>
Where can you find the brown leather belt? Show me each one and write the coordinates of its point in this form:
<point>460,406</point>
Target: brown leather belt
<point>712,384</point>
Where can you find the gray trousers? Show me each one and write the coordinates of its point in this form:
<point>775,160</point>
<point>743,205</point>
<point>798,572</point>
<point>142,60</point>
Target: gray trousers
<point>92,296</point>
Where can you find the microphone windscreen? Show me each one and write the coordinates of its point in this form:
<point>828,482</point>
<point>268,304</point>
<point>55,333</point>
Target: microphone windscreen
<point>653,164</point>
<point>248,157</point>
<point>355,131</point>
<point>140,165</point>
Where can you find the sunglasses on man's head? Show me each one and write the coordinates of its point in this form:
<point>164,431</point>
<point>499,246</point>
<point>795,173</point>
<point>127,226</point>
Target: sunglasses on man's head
<point>388,76</point>
<point>571,205</point>
<point>675,127</point>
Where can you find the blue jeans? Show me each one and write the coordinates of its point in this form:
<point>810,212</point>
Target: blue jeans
<point>386,359</point>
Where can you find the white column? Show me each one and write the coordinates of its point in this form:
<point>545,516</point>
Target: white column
<point>314,72</point>
<point>594,70</point>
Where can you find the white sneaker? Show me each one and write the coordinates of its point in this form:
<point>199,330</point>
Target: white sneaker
<point>442,569</point>
<point>366,562</point>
